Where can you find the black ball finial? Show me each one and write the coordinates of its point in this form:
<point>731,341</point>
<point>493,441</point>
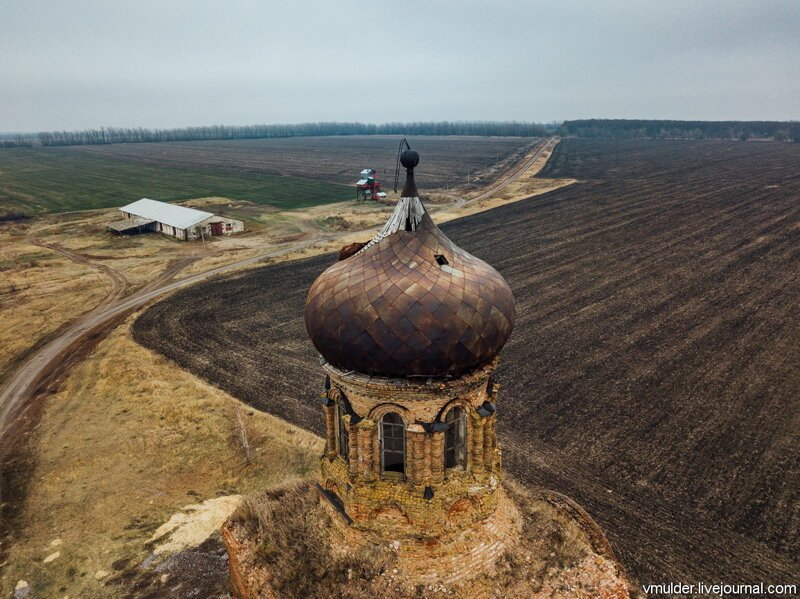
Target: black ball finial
<point>409,159</point>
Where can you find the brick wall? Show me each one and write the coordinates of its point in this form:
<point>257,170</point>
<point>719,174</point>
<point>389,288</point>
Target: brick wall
<point>460,554</point>
<point>427,500</point>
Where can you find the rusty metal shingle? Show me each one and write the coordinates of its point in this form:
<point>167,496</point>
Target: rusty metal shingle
<point>393,310</point>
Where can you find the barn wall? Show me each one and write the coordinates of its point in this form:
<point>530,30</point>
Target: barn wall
<point>166,229</point>
<point>229,225</point>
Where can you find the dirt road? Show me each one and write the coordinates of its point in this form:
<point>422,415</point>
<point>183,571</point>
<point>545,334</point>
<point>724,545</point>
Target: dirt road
<point>51,361</point>
<point>118,280</point>
<point>548,145</point>
<point>41,369</point>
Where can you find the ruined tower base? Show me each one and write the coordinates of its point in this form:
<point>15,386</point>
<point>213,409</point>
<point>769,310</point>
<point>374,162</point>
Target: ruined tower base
<point>298,542</point>
<point>456,556</point>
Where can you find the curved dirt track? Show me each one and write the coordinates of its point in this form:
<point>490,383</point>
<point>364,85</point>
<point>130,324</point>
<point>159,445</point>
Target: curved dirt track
<point>654,371</point>
<point>54,359</point>
<point>119,284</point>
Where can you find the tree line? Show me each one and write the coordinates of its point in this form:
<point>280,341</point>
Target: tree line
<point>652,129</point>
<point>114,135</point>
<point>590,128</point>
<point>17,141</point>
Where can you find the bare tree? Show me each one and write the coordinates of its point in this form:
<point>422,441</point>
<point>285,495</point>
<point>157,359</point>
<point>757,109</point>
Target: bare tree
<point>243,434</point>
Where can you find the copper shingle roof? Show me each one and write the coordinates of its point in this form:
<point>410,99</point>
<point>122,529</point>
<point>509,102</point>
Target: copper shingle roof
<point>411,303</point>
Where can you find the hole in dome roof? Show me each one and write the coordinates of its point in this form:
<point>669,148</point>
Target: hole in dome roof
<point>441,260</point>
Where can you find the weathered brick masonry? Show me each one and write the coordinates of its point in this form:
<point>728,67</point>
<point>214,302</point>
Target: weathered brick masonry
<point>394,503</point>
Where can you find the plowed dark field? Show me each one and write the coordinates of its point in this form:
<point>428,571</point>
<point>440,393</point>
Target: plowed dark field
<point>330,159</point>
<point>654,372</point>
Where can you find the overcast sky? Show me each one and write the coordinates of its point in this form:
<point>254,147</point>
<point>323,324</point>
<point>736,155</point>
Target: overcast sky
<point>75,64</point>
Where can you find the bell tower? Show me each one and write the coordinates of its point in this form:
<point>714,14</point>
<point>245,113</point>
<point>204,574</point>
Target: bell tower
<point>409,329</point>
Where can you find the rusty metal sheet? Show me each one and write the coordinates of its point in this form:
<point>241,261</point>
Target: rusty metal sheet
<point>392,309</point>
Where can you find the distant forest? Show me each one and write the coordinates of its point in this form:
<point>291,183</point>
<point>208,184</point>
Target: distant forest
<point>115,135</point>
<point>641,129</point>
<point>17,141</point>
<point>589,128</point>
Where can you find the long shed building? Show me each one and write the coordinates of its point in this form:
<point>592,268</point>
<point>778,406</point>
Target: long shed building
<point>170,219</point>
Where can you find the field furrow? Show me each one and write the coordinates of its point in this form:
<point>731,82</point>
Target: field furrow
<point>654,370</point>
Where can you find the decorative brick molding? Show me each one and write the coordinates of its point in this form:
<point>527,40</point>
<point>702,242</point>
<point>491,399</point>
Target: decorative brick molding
<point>419,501</point>
<point>463,553</point>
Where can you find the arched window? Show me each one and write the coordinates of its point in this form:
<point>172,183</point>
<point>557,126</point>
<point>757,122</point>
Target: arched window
<point>344,444</point>
<point>393,443</point>
<point>455,439</point>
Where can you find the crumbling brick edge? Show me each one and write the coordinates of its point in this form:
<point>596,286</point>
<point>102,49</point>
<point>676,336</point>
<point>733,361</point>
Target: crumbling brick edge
<point>236,576</point>
<point>597,537</point>
<point>600,544</point>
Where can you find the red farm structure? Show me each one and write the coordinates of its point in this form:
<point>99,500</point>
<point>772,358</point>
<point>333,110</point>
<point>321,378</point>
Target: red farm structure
<point>368,187</point>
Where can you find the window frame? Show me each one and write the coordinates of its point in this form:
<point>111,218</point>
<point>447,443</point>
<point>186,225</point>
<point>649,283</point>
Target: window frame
<point>455,438</point>
<point>392,427</point>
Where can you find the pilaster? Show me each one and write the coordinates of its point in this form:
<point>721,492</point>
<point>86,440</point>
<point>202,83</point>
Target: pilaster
<point>330,430</point>
<point>352,446</point>
<point>366,451</point>
<point>416,454</point>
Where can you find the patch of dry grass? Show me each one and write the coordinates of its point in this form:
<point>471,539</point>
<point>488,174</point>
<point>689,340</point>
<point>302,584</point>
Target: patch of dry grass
<point>129,440</point>
<point>525,186</point>
<point>40,290</point>
<point>293,540</point>
<point>138,258</point>
<point>288,545</point>
<point>553,542</point>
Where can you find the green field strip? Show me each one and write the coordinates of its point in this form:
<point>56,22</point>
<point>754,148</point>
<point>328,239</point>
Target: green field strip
<point>63,180</point>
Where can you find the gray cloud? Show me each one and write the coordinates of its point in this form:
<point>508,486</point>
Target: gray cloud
<point>166,64</point>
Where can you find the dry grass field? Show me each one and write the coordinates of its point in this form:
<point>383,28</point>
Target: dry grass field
<point>654,371</point>
<point>56,269</point>
<point>127,441</point>
<point>40,290</point>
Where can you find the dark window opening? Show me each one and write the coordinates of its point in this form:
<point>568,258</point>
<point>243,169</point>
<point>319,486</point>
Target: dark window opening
<point>455,439</point>
<point>344,436</point>
<point>393,443</point>
<point>441,260</point>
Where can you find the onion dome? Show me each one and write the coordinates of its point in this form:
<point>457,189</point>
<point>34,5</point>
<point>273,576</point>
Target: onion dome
<point>410,302</point>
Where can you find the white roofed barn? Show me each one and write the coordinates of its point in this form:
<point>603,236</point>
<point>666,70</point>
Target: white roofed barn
<point>174,220</point>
